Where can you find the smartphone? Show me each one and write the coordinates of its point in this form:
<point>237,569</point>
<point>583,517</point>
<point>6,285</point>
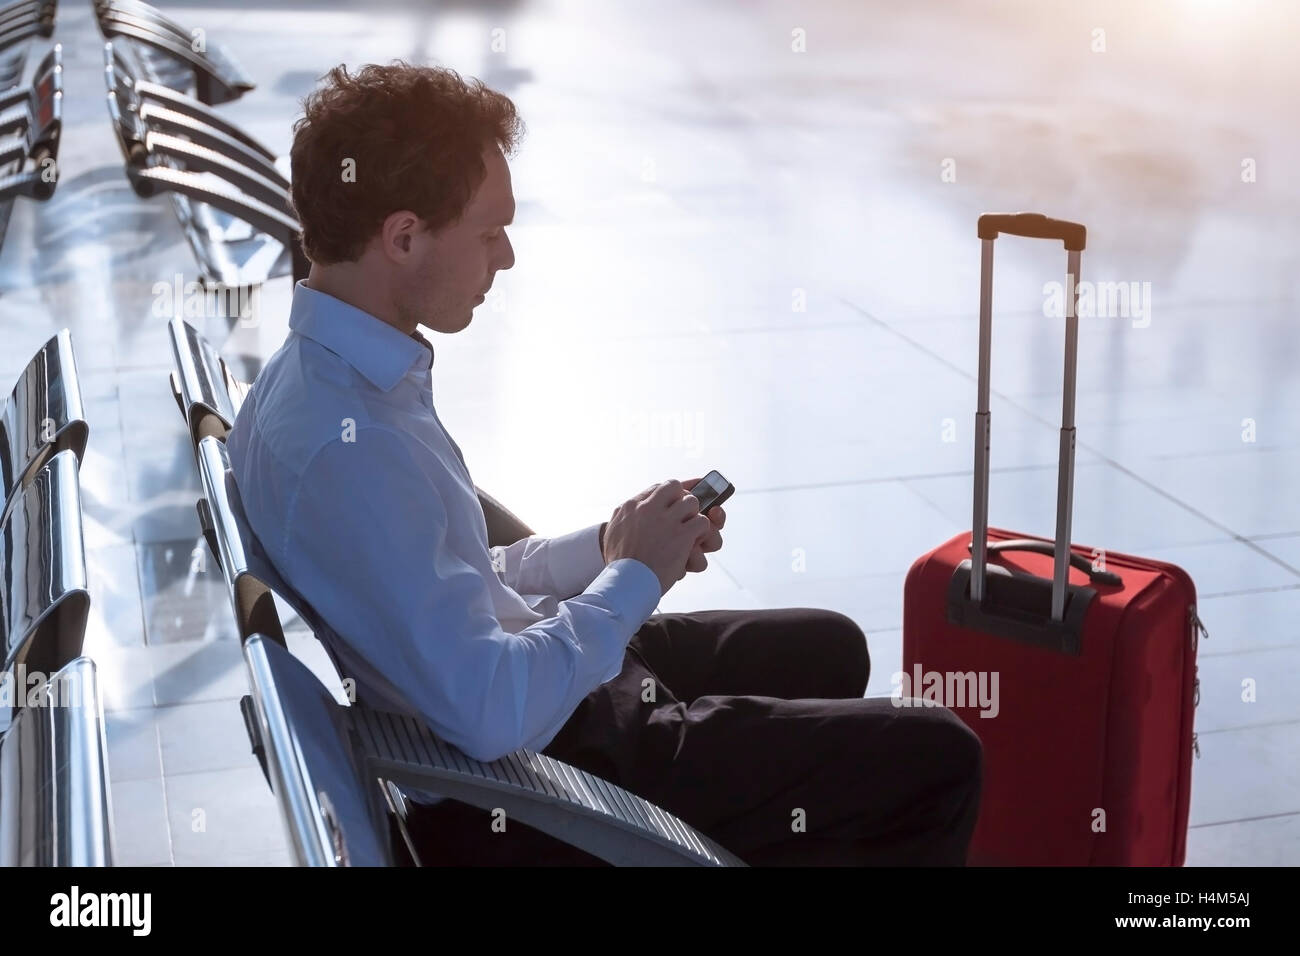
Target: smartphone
<point>712,490</point>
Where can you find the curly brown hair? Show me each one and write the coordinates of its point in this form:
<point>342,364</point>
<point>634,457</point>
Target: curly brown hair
<point>416,136</point>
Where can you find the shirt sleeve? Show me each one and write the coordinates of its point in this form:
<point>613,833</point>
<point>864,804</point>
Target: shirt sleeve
<point>561,566</point>
<point>367,547</point>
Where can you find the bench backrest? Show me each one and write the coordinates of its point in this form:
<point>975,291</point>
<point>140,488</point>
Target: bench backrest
<point>31,122</point>
<point>332,808</point>
<point>42,416</point>
<point>213,71</point>
<point>207,391</point>
<point>36,15</point>
<point>173,144</point>
<point>54,781</point>
<point>44,601</point>
<point>251,598</point>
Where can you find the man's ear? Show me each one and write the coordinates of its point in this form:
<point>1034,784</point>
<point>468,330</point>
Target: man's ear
<point>397,234</point>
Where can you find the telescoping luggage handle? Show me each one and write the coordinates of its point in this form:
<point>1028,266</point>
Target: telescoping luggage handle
<point>1073,236</point>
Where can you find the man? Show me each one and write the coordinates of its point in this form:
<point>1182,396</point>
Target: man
<point>754,730</point>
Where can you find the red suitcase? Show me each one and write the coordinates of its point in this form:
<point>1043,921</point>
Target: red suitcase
<point>1088,658</point>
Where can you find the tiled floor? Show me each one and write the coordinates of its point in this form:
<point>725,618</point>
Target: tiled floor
<point>735,255</point>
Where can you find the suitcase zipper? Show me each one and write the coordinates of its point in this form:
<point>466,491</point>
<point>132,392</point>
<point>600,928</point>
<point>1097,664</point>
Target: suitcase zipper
<point>1198,626</point>
<point>1198,629</point>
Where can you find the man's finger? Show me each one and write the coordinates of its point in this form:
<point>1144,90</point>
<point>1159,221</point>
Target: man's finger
<point>684,508</point>
<point>660,492</point>
<point>710,542</point>
<point>666,494</point>
<point>643,495</point>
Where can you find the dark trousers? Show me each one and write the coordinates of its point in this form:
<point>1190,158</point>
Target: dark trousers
<point>751,726</point>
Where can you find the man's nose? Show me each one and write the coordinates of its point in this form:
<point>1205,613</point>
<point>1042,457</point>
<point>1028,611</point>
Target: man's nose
<point>507,255</point>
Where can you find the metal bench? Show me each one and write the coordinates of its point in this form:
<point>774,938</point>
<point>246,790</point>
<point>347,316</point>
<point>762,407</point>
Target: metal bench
<point>54,792</point>
<point>173,55</point>
<point>168,111</point>
<point>31,120</point>
<point>233,204</point>
<point>43,596</point>
<point>332,818</point>
<point>43,416</point>
<point>36,16</point>
<point>206,392</point>
<point>54,782</point>
<point>20,23</point>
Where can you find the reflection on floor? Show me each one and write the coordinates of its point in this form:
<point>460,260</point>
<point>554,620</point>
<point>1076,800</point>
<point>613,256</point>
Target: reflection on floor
<point>732,254</point>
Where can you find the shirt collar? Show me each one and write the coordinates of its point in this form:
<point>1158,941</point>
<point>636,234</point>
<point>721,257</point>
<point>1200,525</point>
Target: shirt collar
<point>374,348</point>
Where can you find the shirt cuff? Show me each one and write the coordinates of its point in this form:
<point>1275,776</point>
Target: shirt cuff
<point>631,589</point>
<point>574,560</point>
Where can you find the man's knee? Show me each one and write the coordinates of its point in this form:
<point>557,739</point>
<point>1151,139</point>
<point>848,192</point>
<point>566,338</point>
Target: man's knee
<point>966,747</point>
<point>845,648</point>
<point>957,749</point>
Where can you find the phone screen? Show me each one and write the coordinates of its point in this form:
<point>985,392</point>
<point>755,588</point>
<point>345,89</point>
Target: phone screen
<point>710,490</point>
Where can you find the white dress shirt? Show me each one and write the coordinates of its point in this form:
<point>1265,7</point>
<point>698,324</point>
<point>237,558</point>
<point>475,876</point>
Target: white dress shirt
<point>366,508</point>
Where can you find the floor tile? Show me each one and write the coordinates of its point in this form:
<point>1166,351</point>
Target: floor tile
<point>125,676</point>
<point>1225,567</point>
<point>184,593</point>
<point>1249,689</point>
<point>886,648</point>
<point>1242,774</point>
<point>1111,509</point>
<point>223,817</point>
<point>1249,493</point>
<point>150,418</point>
<point>1274,841</point>
<point>115,608</point>
<point>1250,622</point>
<point>133,751</point>
<point>194,671</point>
<point>102,478</point>
<point>162,485</point>
<point>202,737</point>
<point>710,589</point>
<point>140,828</point>
<point>867,529</point>
<point>873,601</point>
<point>1287,548</point>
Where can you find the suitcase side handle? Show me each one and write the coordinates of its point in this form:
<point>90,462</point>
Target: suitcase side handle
<point>1033,225</point>
<point>1077,561</point>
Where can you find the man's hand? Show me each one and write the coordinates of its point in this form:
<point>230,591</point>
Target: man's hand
<point>661,527</point>
<point>710,540</point>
